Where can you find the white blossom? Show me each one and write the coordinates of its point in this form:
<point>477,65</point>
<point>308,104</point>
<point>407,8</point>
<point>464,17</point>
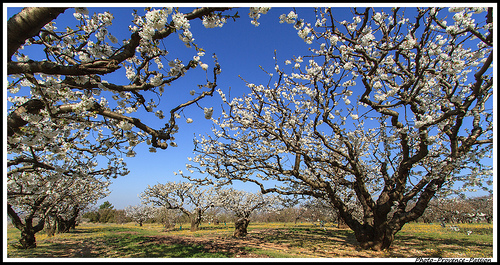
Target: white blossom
<point>180,21</point>
<point>208,113</point>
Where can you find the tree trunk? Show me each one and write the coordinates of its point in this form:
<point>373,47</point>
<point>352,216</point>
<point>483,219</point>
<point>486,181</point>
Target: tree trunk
<point>375,240</point>
<point>340,223</point>
<point>64,226</point>
<point>50,228</point>
<point>27,229</point>
<point>28,23</point>
<point>28,232</point>
<point>27,239</point>
<point>376,235</point>
<point>196,220</point>
<point>240,227</point>
<point>378,227</point>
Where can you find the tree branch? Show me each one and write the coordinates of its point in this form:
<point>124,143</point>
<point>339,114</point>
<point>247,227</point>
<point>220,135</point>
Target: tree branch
<point>27,24</point>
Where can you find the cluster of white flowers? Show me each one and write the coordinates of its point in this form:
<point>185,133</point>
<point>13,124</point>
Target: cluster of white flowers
<point>155,20</point>
<point>156,80</point>
<point>208,112</point>
<point>304,33</point>
<point>289,18</point>
<point>297,62</point>
<point>181,22</point>
<point>125,125</point>
<point>196,58</point>
<point>367,39</point>
<point>159,114</point>
<point>409,42</point>
<point>255,12</point>
<point>213,20</point>
<point>176,68</point>
<point>314,69</point>
<point>377,17</point>
<point>99,51</point>
<point>186,37</point>
<point>424,121</point>
<point>348,66</point>
<point>101,34</point>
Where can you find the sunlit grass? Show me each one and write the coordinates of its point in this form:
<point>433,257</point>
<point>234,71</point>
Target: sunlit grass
<point>469,240</point>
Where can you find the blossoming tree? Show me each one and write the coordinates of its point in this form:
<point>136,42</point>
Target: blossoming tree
<point>67,111</point>
<point>390,108</point>
<point>243,204</point>
<point>65,87</point>
<point>192,200</point>
<point>140,213</point>
<point>37,195</point>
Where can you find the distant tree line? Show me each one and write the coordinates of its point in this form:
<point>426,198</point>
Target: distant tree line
<point>449,210</point>
<point>459,210</point>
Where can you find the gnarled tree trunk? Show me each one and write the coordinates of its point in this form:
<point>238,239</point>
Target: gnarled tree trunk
<point>196,220</point>
<point>50,227</point>
<point>240,227</point>
<point>27,229</point>
<point>64,226</point>
<point>375,239</point>
<point>28,239</point>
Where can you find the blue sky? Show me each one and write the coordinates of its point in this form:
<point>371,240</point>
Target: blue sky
<point>240,47</point>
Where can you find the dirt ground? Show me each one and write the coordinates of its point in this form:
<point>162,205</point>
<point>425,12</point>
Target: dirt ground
<point>257,239</point>
<point>220,243</point>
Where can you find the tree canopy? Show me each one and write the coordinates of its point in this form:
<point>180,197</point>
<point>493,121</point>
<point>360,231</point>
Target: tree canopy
<point>390,109</point>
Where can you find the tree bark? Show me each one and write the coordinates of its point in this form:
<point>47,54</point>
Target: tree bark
<point>64,226</point>
<point>28,239</point>
<point>27,24</point>
<point>196,220</point>
<point>375,239</point>
<point>240,227</point>
<point>340,223</point>
<point>27,229</point>
<point>50,227</point>
<point>15,120</point>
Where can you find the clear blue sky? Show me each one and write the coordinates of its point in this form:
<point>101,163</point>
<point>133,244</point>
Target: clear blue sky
<point>240,47</point>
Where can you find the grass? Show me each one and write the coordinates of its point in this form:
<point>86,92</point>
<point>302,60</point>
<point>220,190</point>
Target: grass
<point>436,241</point>
<point>265,240</point>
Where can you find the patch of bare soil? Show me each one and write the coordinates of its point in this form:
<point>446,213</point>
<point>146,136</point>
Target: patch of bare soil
<point>214,244</point>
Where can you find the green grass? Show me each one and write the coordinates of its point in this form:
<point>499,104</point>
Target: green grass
<point>265,240</point>
<point>444,242</point>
